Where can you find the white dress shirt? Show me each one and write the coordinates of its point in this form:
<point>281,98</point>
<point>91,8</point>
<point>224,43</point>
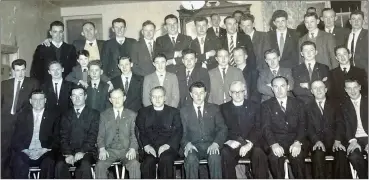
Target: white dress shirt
<point>201,109</point>
<point>221,71</point>
<point>322,104</point>
<point>329,29</point>
<point>161,77</point>
<point>124,78</point>
<point>312,64</point>
<point>79,109</point>
<point>116,111</point>
<point>251,34</point>
<point>242,67</point>
<point>35,147</point>
<point>94,42</point>
<point>315,32</point>
<point>284,100</point>
<point>150,48</point>
<point>347,66</point>
<point>14,93</point>
<point>279,33</point>
<point>93,82</point>
<point>360,132</point>
<point>59,81</point>
<point>175,37</point>
<point>238,103</point>
<point>159,108</point>
<point>57,44</point>
<point>355,40</point>
<point>202,45</point>
<point>276,70</point>
<point>120,39</point>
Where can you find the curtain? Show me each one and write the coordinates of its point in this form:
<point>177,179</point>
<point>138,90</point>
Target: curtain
<point>364,8</point>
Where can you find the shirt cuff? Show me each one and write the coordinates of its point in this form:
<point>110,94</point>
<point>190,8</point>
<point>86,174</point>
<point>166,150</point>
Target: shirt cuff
<point>174,61</point>
<point>352,140</point>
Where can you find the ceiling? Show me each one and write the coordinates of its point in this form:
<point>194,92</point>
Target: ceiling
<point>71,3</point>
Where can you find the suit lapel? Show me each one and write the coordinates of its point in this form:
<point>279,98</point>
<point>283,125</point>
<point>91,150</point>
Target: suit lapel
<point>288,43</point>
<point>256,37</point>
<point>43,123</point>
<point>145,48</point>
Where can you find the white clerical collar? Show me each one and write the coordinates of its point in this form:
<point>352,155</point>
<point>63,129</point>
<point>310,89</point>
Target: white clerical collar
<point>238,103</point>
<point>159,108</point>
<point>58,45</point>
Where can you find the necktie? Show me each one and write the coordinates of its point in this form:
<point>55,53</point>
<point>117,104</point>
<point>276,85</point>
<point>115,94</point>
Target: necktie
<point>78,113</point>
<point>126,85</point>
<point>282,107</point>
<point>56,91</point>
<point>224,74</point>
<point>91,44</point>
<point>330,31</point>
<point>320,106</point>
<point>120,42</point>
<point>274,73</point>
<point>312,35</point>
<point>150,48</point>
<point>199,114</point>
<point>310,70</point>
<point>231,47</point>
<point>95,86</point>
<point>281,44</point>
<point>353,48</point>
<point>202,41</point>
<point>16,98</point>
<point>345,70</point>
<point>173,41</point>
<point>217,31</point>
<point>118,117</point>
<point>188,76</point>
<point>84,75</point>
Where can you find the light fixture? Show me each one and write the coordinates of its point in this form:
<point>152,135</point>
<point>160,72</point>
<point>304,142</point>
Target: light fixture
<point>212,3</point>
<point>239,2</point>
<point>192,5</point>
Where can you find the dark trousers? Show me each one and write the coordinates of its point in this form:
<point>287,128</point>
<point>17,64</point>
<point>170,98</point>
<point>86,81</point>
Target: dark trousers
<point>83,168</point>
<point>259,162</point>
<point>357,159</point>
<point>21,163</point>
<point>165,165</point>
<point>320,165</point>
<point>7,130</point>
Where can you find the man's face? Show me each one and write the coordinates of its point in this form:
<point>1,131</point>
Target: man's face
<point>189,60</point>
<point>247,26</point>
<point>280,88</point>
<point>57,33</point>
<point>171,25</point>
<point>311,23</point>
<point>56,71</point>
<point>125,66</point>
<point>222,58</point>
<point>198,95</point>
<point>95,72</point>
<point>231,25</point>
<point>148,32</point>
<point>78,97</point>
<point>237,16</point>
<point>19,72</point>
<point>239,57</point>
<point>160,64</point>
<point>329,17</point>
<point>318,89</point>
<point>89,32</point>
<point>342,56</point>
<point>38,101</point>
<point>117,99</point>
<point>201,28</point>
<point>356,21</point>
<point>215,21</point>
<point>83,60</point>
<point>280,23</point>
<point>237,92</point>
<point>119,29</point>
<point>309,52</point>
<point>353,89</point>
<point>272,59</point>
<point>157,98</point>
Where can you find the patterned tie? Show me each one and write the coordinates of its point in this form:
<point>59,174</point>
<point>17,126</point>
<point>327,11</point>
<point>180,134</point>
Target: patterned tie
<point>312,36</point>
<point>281,44</point>
<point>310,70</point>
<point>320,106</point>
<point>188,76</point>
<point>345,70</point>
<point>353,48</point>
<point>231,47</point>
<point>224,74</point>
<point>217,31</point>
<point>84,75</point>
<point>150,48</point>
<point>56,91</point>
<point>126,85</point>
<point>78,113</point>
<point>274,73</point>
<point>118,117</point>
<point>199,114</point>
<point>14,108</point>
<point>282,107</point>
<point>173,41</point>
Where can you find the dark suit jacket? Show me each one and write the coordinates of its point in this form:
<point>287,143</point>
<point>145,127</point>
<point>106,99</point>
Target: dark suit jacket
<point>290,55</point>
<point>211,43</point>
<point>300,74</point>
<point>80,45</point>
<point>62,104</point>
<point>141,59</point>
<point>197,74</point>
<point>283,127</point>
<point>164,45</point>
<point>111,54</point>
<point>134,95</point>
<point>325,44</point>
<point>350,118</point>
<point>101,96</point>
<point>361,50</point>
<point>210,129</point>
<point>24,130</point>
<point>260,41</point>
<point>44,55</point>
<point>79,134</point>
<point>247,128</point>
<point>211,32</point>
<point>251,76</point>
<point>340,35</point>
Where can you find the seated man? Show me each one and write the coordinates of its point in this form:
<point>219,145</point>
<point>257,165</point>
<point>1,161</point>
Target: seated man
<point>355,116</point>
<point>116,139</point>
<point>204,133</point>
<point>325,129</point>
<point>243,134</point>
<point>284,130</point>
<point>35,139</point>
<point>160,131</point>
<point>78,134</point>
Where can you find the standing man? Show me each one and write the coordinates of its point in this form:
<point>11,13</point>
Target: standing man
<point>204,133</point>
<point>237,15</point>
<point>78,136</point>
<point>216,30</point>
<point>119,46</point>
<point>143,50</point>
<point>59,51</point>
<point>301,28</point>
<point>116,139</point>
<point>329,18</point>
<point>172,44</point>
<point>160,131</point>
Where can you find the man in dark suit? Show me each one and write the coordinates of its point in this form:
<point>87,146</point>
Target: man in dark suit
<point>237,16</point>
<point>97,90</point>
<point>285,40</point>
<point>307,72</point>
<point>59,51</point>
<point>78,136</point>
<point>215,30</point>
<point>357,40</point>
<point>119,46</point>
<point>172,44</point>
<point>325,133</point>
<point>346,71</point>
<point>259,39</point>
<point>35,139</point>
<point>188,74</point>
<point>204,45</point>
<point>130,83</point>
<point>235,39</point>
<point>143,51</point>
<point>325,42</point>
<point>250,75</point>
<point>15,93</point>
<point>57,90</point>
<point>160,131</point>
<point>242,117</point>
<point>355,116</point>
<point>329,18</point>
<point>204,133</point>
<point>266,75</point>
<point>301,28</point>
<point>283,124</point>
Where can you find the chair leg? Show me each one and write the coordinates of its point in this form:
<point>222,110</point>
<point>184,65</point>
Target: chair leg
<point>93,173</point>
<point>353,172</point>
<point>38,174</point>
<point>117,171</point>
<point>123,172</point>
<point>156,171</point>
<point>286,169</point>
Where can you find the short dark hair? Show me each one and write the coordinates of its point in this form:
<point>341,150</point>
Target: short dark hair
<point>89,22</point>
<point>351,80</point>
<point>228,17</point>
<point>170,16</point>
<point>357,12</point>
<point>310,8</point>
<point>240,48</point>
<point>248,17</point>
<point>54,62</point>
<point>19,62</point>
<point>307,43</point>
<point>197,84</point>
<point>56,23</point>
<point>237,11</point>
<point>96,63</point>
<point>123,58</point>
<point>340,47</point>
<point>37,91</point>
<point>312,14</point>
<point>214,14</point>
<point>328,9</point>
<point>221,49</point>
<point>199,19</point>
<point>279,77</point>
<point>159,55</point>
<point>78,87</point>
<point>279,13</point>
<point>271,51</point>
<point>119,20</point>
<point>117,89</point>
<point>158,87</point>
<point>148,22</point>
<point>188,51</point>
<point>83,52</point>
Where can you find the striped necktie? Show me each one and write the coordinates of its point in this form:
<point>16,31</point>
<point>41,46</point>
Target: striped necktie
<point>231,47</point>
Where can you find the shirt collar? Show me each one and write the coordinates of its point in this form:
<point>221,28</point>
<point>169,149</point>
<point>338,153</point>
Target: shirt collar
<point>357,100</point>
<point>242,67</point>
<point>59,81</point>
<point>126,75</point>
<point>83,68</point>
<point>159,74</point>
<point>357,32</point>
<point>93,42</point>
<point>199,37</point>
<point>347,66</point>
<point>16,81</point>
<point>252,34</point>
<point>238,103</point>
<point>175,36</point>
<point>97,82</point>
<point>118,110</point>
<point>196,105</point>
<point>38,113</point>
<point>276,69</point>
<point>221,69</point>
<point>158,108</point>
<point>233,35</point>
<point>284,32</point>
<point>323,102</point>
<point>80,109</point>
<point>58,45</point>
<point>315,31</point>
<point>284,100</point>
<point>310,62</point>
<point>327,29</point>
<point>120,39</point>
<point>147,41</point>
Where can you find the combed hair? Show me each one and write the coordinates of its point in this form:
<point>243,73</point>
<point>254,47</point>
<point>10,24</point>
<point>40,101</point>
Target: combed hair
<point>311,14</point>
<point>340,47</point>
<point>279,77</point>
<point>119,20</point>
<point>96,63</point>
<point>188,51</point>
<point>89,22</point>
<point>117,89</point>
<point>148,22</point>
<point>271,51</point>
<point>328,9</point>
<point>228,17</point>
<point>54,62</point>
<point>37,91</point>
<point>307,43</point>
<point>83,52</point>
<point>278,14</point>
<point>356,12</point>
<point>158,55</point>
<point>158,87</point>
<point>197,84</point>
<point>239,12</point>
<point>56,23</point>
<point>123,58</point>
<point>170,16</point>
<point>240,48</point>
<point>248,17</point>
<point>351,80</point>
<point>19,62</point>
<point>199,19</point>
